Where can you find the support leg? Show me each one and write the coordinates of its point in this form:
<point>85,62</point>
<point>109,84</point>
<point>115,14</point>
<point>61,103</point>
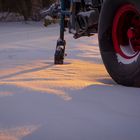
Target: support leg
<point>61,43</point>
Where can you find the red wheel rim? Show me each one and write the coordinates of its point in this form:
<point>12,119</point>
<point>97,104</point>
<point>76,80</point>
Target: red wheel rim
<point>126,31</point>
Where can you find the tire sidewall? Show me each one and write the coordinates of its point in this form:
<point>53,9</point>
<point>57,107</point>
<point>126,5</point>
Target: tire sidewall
<point>126,74</point>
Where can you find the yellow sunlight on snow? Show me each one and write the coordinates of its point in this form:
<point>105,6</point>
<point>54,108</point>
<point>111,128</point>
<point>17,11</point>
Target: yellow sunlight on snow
<point>17,133</point>
<point>6,93</point>
<point>55,79</point>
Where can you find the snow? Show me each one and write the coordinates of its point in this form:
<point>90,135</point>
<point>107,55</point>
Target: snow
<point>74,101</point>
<point>128,51</point>
<point>127,61</point>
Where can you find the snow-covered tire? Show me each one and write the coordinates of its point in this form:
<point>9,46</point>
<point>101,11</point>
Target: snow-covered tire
<point>118,34</point>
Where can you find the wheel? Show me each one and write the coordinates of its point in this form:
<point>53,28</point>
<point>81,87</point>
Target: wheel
<point>119,40</point>
<point>59,57</point>
<point>59,52</point>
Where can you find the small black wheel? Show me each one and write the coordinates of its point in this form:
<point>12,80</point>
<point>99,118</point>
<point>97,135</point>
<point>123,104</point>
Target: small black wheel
<point>119,40</point>
<point>59,56</point>
<point>60,52</point>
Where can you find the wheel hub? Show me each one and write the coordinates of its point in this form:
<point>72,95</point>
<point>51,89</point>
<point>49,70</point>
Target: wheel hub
<point>126,31</point>
<point>131,33</point>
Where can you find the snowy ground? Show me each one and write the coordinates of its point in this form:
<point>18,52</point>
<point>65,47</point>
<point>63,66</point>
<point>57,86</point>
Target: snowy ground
<point>75,101</point>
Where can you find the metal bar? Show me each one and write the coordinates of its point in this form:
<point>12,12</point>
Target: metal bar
<point>66,13</point>
<point>62,22</point>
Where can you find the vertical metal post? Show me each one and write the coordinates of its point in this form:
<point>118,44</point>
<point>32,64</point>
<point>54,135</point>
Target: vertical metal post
<point>62,22</point>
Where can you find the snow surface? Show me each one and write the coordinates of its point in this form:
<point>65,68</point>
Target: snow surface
<point>74,101</point>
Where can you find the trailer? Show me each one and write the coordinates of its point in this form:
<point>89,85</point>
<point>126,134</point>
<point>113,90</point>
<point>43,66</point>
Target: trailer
<point>117,23</point>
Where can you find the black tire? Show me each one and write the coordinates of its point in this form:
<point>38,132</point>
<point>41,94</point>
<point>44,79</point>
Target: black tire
<point>127,74</point>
